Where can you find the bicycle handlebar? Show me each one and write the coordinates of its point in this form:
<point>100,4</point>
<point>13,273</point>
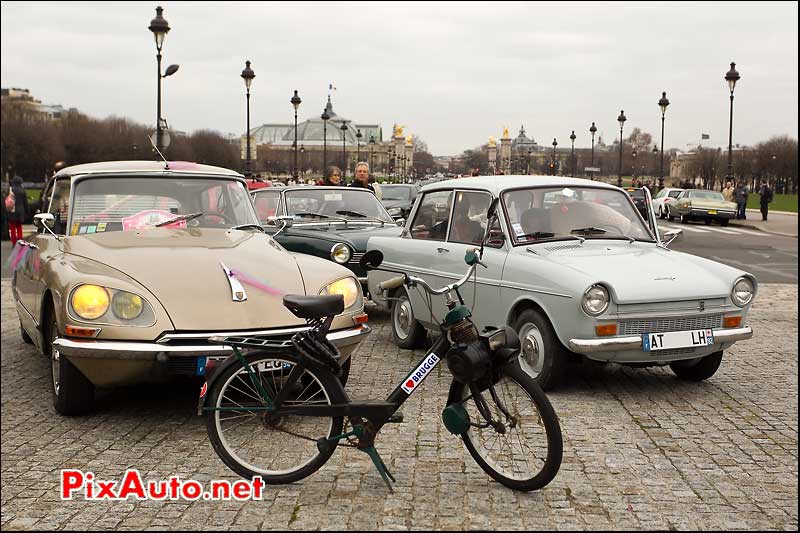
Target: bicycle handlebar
<point>470,258</point>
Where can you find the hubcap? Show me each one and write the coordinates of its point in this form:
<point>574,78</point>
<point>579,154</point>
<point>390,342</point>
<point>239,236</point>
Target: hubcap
<point>403,318</point>
<point>532,352</point>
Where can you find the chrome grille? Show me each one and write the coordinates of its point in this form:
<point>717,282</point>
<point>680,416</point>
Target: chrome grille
<point>356,257</point>
<point>662,325</point>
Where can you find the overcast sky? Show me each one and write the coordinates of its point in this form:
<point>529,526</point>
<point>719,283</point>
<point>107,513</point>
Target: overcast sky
<point>452,73</point>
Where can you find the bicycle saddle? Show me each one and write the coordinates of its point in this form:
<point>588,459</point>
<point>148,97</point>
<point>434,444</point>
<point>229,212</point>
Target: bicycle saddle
<point>314,306</point>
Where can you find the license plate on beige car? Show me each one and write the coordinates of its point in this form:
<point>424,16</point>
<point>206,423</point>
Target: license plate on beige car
<point>653,342</point>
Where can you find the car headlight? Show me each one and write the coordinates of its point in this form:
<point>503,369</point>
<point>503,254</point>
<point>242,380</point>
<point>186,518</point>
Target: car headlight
<point>347,287</point>
<point>126,305</point>
<point>742,293</point>
<point>595,300</point>
<point>340,253</point>
<point>90,301</point>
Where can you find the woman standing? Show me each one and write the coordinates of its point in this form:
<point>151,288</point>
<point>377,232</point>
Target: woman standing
<point>17,213</point>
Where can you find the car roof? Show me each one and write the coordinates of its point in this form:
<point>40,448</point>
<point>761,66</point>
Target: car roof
<point>499,184</point>
<point>126,167</point>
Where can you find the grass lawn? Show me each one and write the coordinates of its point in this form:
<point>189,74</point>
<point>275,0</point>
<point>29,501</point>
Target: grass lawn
<point>780,202</point>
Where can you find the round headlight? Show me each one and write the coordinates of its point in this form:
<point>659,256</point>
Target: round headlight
<point>347,287</point>
<point>340,253</point>
<point>90,301</point>
<point>742,292</point>
<point>126,305</point>
<point>595,300</point>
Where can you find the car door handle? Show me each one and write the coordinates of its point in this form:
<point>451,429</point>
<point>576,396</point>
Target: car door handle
<point>442,250</point>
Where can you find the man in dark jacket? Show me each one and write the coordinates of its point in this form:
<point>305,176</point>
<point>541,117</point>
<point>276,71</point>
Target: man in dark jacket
<point>16,216</point>
<point>765,191</point>
<point>740,194</point>
<point>361,179</point>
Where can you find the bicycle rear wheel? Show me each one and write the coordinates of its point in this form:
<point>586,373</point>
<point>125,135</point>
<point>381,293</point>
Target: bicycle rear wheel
<point>528,455</point>
<point>279,448</point>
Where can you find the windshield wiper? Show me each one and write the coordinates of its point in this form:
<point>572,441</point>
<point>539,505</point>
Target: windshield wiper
<point>360,215</point>
<point>537,235</point>
<point>305,214</point>
<point>594,230</point>
<point>250,225</point>
<point>180,218</point>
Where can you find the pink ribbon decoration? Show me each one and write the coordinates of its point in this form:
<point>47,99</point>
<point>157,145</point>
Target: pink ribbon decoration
<point>256,284</point>
<point>18,255</point>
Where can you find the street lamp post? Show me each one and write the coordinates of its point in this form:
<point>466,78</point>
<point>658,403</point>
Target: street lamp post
<point>344,147</point>
<point>529,160</point>
<point>358,145</point>
<point>633,169</point>
<point>302,161</point>
<point>655,156</point>
<point>247,76</point>
<point>732,76</point>
<point>572,138</point>
<point>593,130</point>
<point>371,146</point>
<point>621,119</point>
<point>160,28</point>
<point>325,117</point>
<point>296,104</point>
<point>555,143</point>
<point>663,103</point>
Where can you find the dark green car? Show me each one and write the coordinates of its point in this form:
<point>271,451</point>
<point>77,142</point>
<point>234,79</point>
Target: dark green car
<point>330,222</point>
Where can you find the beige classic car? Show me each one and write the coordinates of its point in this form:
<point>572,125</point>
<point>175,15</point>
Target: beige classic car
<point>136,264</point>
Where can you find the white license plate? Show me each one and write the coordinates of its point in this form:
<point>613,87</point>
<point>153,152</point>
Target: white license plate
<point>653,342</point>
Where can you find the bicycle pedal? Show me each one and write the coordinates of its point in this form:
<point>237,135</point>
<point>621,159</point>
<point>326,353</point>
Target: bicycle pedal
<point>396,418</point>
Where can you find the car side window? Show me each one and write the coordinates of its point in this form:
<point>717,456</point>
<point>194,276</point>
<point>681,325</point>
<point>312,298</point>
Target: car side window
<point>59,205</point>
<point>433,216</point>
<point>674,194</point>
<point>266,204</point>
<point>469,217</point>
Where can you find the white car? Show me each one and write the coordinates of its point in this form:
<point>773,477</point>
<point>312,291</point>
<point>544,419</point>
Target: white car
<point>573,268</point>
<point>662,200</point>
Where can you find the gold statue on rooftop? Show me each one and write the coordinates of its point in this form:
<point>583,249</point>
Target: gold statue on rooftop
<point>492,142</point>
<point>398,131</point>
<point>505,132</point>
<point>409,140</point>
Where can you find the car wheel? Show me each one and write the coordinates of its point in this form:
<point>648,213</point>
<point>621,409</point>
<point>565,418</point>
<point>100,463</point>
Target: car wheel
<point>542,355</point>
<point>72,393</point>
<point>684,219</point>
<point>724,222</point>
<point>669,215</point>
<point>408,333</point>
<point>697,369</point>
<point>25,337</point>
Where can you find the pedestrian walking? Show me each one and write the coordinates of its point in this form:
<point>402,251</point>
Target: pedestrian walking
<point>361,179</point>
<point>740,194</point>
<point>16,204</point>
<point>765,191</point>
<point>727,192</point>
<point>332,177</point>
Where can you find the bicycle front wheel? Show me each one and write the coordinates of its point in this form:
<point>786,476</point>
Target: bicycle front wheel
<point>524,451</point>
<point>279,448</point>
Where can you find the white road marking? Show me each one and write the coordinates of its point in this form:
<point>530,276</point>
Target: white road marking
<point>687,228</point>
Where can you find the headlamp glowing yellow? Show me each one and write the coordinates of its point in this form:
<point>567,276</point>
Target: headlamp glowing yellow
<point>347,287</point>
<point>90,301</point>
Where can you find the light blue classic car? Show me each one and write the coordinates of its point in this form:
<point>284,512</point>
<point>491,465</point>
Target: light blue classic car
<point>574,268</point>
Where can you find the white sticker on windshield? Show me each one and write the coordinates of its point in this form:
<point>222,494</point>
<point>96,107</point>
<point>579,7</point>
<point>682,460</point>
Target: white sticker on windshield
<point>333,197</point>
<point>518,228</point>
<point>567,192</point>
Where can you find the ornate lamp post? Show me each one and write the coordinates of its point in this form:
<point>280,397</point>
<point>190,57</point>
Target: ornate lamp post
<point>655,156</point>
<point>732,76</point>
<point>663,103</point>
<point>633,169</point>
<point>371,146</point>
<point>247,76</point>
<point>529,160</point>
<point>303,160</point>
<point>572,138</point>
<point>553,166</point>
<point>160,28</point>
<point>358,145</point>
<point>325,117</point>
<point>593,130</point>
<point>621,119</point>
<point>296,104</point>
<point>344,147</point>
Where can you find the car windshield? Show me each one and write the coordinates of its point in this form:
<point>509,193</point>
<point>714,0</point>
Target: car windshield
<point>707,195</point>
<point>395,192</point>
<point>538,214</point>
<point>318,204</point>
<point>133,203</point>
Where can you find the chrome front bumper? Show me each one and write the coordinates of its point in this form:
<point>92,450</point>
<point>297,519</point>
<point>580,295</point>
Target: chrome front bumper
<point>634,342</point>
<point>105,349</point>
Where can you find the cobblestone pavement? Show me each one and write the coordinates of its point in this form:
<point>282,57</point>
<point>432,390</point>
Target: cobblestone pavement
<point>642,450</point>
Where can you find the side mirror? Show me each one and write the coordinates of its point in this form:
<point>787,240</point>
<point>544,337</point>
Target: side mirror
<point>283,222</point>
<point>40,220</point>
<point>371,260</point>
<point>400,222</point>
<point>671,236</point>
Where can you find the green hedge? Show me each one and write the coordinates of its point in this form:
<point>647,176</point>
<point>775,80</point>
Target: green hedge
<point>780,202</point>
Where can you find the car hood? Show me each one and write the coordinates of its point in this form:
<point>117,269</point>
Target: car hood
<point>181,268</point>
<point>354,234</point>
<point>642,272</point>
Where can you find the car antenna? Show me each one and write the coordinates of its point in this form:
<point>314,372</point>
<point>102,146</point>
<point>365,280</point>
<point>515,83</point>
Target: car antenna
<point>166,164</point>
